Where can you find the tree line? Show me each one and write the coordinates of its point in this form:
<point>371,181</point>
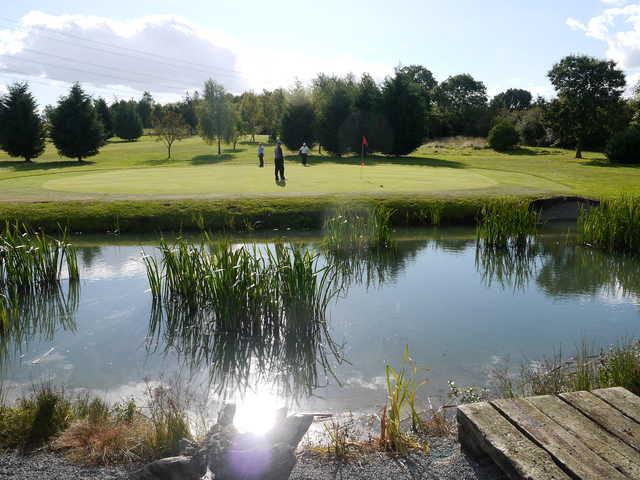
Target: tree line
<point>336,112</point>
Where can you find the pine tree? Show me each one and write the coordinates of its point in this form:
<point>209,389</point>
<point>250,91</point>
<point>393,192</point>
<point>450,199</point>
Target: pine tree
<point>22,132</point>
<point>403,106</point>
<point>298,124</point>
<point>76,130</point>
<point>126,121</point>
<point>105,117</point>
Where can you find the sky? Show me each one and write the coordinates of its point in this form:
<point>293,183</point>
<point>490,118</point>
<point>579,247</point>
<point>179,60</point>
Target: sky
<point>119,48</point>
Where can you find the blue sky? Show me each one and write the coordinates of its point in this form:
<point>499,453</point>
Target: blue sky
<point>254,45</point>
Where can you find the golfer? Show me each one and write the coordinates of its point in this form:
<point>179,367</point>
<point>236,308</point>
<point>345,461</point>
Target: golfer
<point>261,155</point>
<point>304,153</point>
<point>279,162</point>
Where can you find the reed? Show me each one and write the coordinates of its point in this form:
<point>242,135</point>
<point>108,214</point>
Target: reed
<point>248,314</point>
<point>506,223</point>
<point>613,226</point>
<point>401,394</point>
<point>351,230</point>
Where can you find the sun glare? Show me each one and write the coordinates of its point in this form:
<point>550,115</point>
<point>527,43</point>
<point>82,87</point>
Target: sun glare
<point>256,412</point>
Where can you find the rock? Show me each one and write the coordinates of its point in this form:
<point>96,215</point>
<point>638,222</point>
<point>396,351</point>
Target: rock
<point>226,454</point>
<point>172,468</point>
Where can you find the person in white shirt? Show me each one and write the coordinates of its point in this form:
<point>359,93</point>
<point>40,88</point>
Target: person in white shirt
<point>261,155</point>
<point>304,153</point>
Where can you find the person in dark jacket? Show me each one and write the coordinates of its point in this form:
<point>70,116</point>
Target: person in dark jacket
<point>279,162</point>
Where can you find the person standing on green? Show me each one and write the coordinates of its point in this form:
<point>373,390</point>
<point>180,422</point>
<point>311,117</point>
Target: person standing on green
<point>261,155</point>
<point>279,162</point>
<point>304,153</point>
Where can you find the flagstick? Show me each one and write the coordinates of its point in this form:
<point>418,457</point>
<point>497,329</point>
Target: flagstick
<point>361,159</point>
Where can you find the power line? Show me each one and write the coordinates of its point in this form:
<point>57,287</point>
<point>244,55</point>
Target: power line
<point>207,67</point>
<point>171,87</point>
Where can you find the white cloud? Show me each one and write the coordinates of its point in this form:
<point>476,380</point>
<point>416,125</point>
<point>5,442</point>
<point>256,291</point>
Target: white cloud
<point>619,27</point>
<point>164,54</point>
<point>157,53</point>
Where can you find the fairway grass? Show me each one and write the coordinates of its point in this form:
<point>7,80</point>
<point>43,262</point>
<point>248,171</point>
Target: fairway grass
<point>136,178</point>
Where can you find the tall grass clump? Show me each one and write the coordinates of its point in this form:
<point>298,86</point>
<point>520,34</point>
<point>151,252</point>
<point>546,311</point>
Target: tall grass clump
<point>613,226</point>
<point>244,312</point>
<point>401,397</point>
<point>506,223</point>
<point>35,419</point>
<point>351,230</point>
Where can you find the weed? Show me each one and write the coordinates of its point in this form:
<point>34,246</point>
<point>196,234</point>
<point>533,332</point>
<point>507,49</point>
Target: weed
<point>506,223</point>
<point>612,226</point>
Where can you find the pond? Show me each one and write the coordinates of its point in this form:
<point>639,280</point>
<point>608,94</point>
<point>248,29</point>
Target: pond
<point>460,312</point>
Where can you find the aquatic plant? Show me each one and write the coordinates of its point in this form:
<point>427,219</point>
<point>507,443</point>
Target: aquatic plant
<point>246,314</point>
<point>349,230</point>
<point>506,223</point>
<point>613,226</point>
<point>401,395</point>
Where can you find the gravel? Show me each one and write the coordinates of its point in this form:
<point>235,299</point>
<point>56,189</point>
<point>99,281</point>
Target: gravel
<point>445,461</point>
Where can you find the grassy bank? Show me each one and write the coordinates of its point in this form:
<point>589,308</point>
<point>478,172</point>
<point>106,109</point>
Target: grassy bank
<point>225,215</point>
<point>133,187</point>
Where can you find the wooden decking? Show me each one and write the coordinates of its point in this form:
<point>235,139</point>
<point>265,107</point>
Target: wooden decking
<point>579,435</point>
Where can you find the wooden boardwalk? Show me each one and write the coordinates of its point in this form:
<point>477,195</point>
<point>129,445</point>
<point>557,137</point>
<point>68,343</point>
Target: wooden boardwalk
<point>579,435</point>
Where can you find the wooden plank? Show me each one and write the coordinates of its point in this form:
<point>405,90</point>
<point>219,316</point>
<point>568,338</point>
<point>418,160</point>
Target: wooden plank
<point>609,418</point>
<point>483,431</point>
<point>609,447</point>
<point>569,451</point>
<point>622,399</point>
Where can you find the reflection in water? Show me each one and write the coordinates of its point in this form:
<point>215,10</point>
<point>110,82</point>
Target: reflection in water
<point>261,318</point>
<point>559,268</point>
<point>371,268</point>
<point>511,266</point>
<point>25,316</point>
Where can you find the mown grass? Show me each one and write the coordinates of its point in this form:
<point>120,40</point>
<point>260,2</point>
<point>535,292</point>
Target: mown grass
<point>613,226</point>
<point>133,184</point>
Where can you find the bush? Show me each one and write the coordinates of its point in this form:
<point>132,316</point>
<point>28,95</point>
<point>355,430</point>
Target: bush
<point>503,136</point>
<point>624,147</point>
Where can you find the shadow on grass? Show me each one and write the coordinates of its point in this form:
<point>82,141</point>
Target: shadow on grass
<point>526,151</point>
<point>601,162</point>
<point>211,159</point>
<point>380,160</point>
<point>22,166</point>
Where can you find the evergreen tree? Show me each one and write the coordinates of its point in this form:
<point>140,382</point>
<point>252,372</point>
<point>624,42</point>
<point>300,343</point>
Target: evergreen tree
<point>22,131</point>
<point>126,121</point>
<point>188,110</point>
<point>333,98</point>
<point>145,109</point>
<point>298,123</point>
<point>404,108</point>
<point>104,114</point>
<point>76,130</point>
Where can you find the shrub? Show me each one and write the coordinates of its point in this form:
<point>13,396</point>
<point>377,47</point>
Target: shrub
<point>503,136</point>
<point>624,147</point>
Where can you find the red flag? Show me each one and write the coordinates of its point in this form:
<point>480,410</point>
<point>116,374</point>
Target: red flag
<point>364,141</point>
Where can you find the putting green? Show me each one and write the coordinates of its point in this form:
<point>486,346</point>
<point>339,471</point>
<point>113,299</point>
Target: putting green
<point>225,179</point>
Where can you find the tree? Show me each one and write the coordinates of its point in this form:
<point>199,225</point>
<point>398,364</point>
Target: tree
<point>333,98</point>
<point>273,106</point>
<point>76,130</point>
<point>298,123</point>
<point>250,113</point>
<point>22,130</point>
<point>188,110</point>
<point>511,100</point>
<point>503,136</point>
<point>104,114</point>
<point>169,128</point>
<point>462,105</point>
<point>145,109</point>
<point>589,96</point>
<point>404,108</point>
<point>127,124</point>
<point>235,128</point>
<point>214,114</point>
<point>624,146</point>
